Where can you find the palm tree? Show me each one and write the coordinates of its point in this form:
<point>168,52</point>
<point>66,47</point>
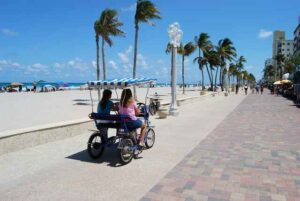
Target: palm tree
<point>289,66</point>
<point>185,50</point>
<point>269,73</point>
<point>280,59</point>
<point>204,44</point>
<point>252,80</point>
<point>97,29</point>
<point>245,76</point>
<point>109,25</point>
<point>97,33</point>
<point>145,11</point>
<point>226,52</point>
<point>232,71</point>
<point>240,66</point>
<point>213,61</point>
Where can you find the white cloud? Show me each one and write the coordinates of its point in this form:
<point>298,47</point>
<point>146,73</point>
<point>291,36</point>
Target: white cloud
<point>124,56</point>
<point>141,61</point>
<point>94,64</point>
<point>9,32</point>
<point>113,64</point>
<point>3,62</point>
<point>130,8</point>
<point>160,61</point>
<point>78,64</point>
<point>264,34</point>
<point>57,67</point>
<point>9,64</point>
<point>37,68</point>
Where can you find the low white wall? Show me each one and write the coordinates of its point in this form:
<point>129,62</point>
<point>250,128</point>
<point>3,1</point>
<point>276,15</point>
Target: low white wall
<point>23,138</point>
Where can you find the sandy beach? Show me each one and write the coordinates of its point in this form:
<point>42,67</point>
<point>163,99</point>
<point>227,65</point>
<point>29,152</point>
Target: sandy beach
<point>23,110</point>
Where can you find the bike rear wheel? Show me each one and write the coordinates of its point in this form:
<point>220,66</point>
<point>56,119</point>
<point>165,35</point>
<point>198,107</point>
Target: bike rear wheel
<point>96,144</point>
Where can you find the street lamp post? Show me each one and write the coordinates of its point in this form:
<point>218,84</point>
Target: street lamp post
<point>175,35</point>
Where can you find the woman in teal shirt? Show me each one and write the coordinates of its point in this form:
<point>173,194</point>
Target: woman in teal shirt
<point>105,105</point>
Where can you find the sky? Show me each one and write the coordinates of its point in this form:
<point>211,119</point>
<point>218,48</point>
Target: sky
<point>55,40</point>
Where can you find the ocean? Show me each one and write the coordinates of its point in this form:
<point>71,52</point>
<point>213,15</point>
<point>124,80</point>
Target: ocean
<point>29,84</point>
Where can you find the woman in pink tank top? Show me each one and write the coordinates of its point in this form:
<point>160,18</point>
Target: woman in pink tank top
<point>128,106</point>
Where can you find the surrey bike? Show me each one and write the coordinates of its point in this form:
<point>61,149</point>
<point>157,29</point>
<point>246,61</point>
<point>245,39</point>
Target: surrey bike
<point>125,140</point>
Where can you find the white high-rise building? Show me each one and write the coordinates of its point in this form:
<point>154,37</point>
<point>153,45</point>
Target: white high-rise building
<point>287,48</point>
<point>281,46</point>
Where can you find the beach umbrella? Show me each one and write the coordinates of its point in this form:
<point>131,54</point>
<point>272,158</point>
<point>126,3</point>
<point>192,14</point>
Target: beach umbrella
<point>286,81</point>
<point>277,82</point>
<point>16,84</point>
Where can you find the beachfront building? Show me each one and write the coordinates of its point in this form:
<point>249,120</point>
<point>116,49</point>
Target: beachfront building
<point>297,39</point>
<point>281,46</point>
<point>287,48</point>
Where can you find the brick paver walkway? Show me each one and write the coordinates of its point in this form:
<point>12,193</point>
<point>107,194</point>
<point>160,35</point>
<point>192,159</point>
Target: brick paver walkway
<point>254,154</point>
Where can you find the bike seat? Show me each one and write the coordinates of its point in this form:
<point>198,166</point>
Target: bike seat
<point>109,120</point>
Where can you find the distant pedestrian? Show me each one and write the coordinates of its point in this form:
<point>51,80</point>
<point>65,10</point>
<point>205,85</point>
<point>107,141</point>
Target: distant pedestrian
<point>261,89</point>
<point>34,86</point>
<point>236,89</point>
<point>257,89</point>
<point>246,89</point>
<point>272,89</point>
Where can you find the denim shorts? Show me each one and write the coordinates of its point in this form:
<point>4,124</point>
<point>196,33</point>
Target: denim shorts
<point>134,124</point>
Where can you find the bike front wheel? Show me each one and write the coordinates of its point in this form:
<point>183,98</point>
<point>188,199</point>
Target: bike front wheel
<point>126,151</point>
<point>150,138</point>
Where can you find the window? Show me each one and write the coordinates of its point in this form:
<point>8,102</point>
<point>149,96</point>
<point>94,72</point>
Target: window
<point>283,43</point>
<point>288,50</point>
<point>288,43</point>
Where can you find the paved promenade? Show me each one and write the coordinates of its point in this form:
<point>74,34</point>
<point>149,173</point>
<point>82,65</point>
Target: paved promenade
<point>62,170</point>
<point>254,154</point>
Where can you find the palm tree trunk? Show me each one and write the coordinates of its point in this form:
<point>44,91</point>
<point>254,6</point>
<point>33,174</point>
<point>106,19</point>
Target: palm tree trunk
<point>183,84</point>
<point>212,78</point>
<point>135,57</point>
<point>103,59</point>
<point>97,61</point>
<point>201,69</point>
<point>228,85</point>
<point>221,77</point>
<point>209,76</point>
<point>216,79</point>
<point>202,77</point>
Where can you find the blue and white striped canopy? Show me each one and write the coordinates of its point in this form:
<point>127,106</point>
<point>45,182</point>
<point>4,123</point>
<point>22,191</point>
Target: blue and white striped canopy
<point>120,83</point>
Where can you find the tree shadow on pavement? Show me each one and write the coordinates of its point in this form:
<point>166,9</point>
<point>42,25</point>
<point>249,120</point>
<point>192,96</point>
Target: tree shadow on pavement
<point>109,157</point>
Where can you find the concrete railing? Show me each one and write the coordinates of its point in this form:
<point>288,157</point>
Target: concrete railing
<point>14,140</point>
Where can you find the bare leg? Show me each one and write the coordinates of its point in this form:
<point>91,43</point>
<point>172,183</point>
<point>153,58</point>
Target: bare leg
<point>143,131</point>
